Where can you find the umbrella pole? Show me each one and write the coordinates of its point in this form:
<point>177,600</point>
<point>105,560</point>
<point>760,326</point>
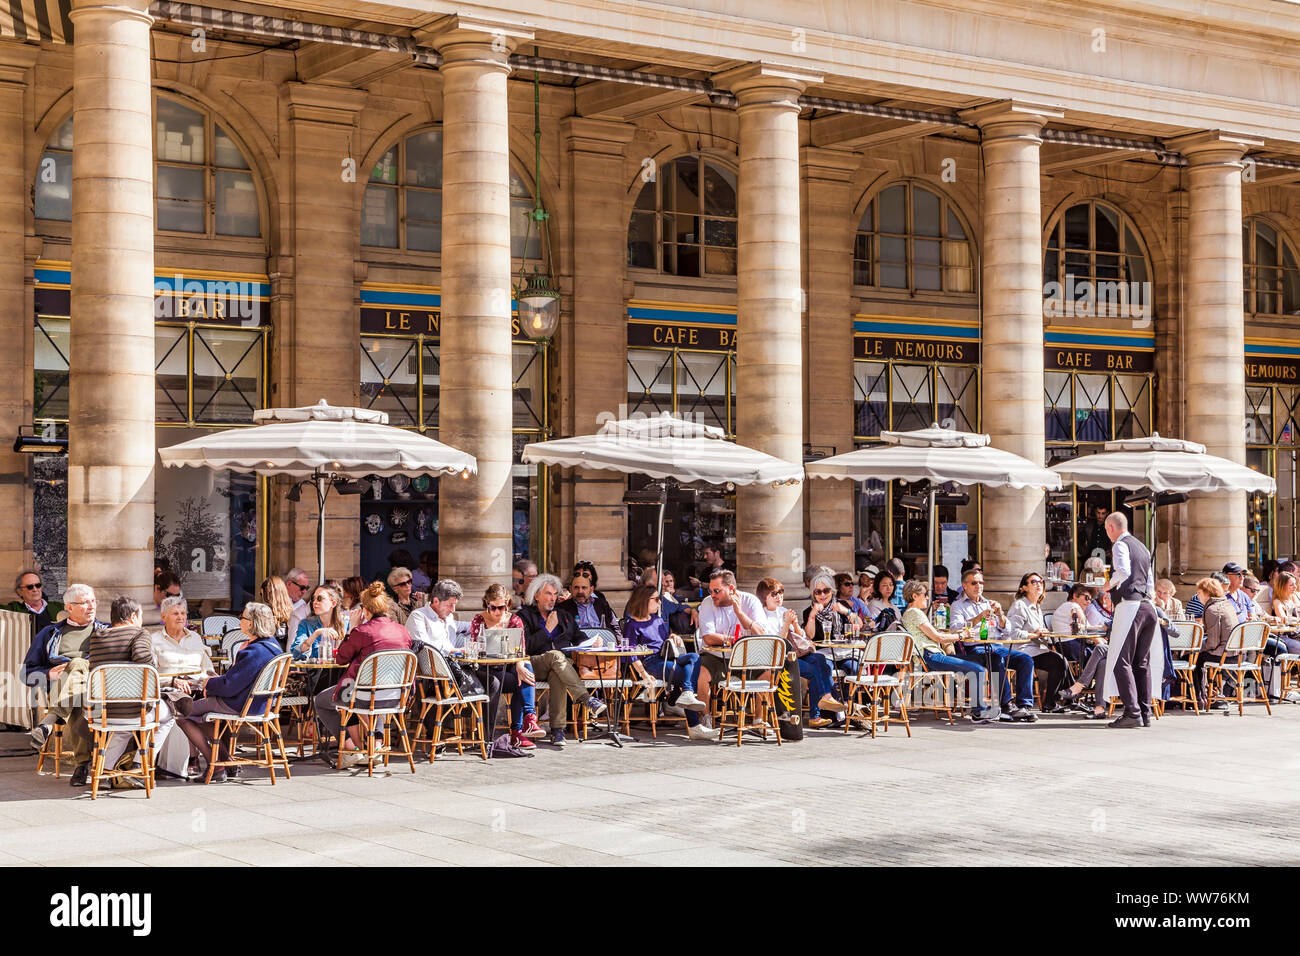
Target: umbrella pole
<point>322,488</point>
<point>929,580</point>
<point>659,543</point>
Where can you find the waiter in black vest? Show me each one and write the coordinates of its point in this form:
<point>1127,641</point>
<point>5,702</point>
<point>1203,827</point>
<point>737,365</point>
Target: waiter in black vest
<point>1134,664</point>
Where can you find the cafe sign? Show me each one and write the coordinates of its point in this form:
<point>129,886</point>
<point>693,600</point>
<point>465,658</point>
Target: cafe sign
<point>681,335</point>
<point>916,349</point>
<point>1069,358</point>
<point>414,320</point>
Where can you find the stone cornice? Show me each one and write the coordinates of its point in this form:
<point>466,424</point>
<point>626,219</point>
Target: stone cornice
<point>597,136</point>
<point>317,103</point>
<point>1212,144</point>
<point>828,165</point>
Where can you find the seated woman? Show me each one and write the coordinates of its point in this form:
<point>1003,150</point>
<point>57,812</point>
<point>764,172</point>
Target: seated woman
<point>884,599</point>
<point>227,693</point>
<point>936,650</point>
<point>1025,622</point>
<point>275,595</point>
<point>1167,602</point>
<point>184,665</point>
<point>326,622</point>
<point>1285,605</point>
<point>827,620</point>
<point>814,667</point>
<point>1092,675</point>
<point>1218,619</point>
<point>644,625</point>
<point>497,612</point>
<point>680,617</point>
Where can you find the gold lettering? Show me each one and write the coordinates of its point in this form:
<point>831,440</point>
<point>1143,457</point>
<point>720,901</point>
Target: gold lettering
<point>388,319</point>
<point>694,337</point>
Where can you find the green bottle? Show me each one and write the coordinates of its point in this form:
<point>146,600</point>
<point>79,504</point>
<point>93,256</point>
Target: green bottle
<point>984,629</point>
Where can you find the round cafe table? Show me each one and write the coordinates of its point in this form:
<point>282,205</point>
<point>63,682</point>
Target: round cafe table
<point>988,646</point>
<point>612,717</point>
<point>487,663</point>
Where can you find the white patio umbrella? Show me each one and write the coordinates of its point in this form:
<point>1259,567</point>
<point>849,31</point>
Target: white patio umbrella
<point>1163,465</point>
<point>321,443</point>
<point>937,455</point>
<point>666,448</point>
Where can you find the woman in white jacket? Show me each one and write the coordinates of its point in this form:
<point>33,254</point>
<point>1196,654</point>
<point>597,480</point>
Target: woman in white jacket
<point>1025,622</point>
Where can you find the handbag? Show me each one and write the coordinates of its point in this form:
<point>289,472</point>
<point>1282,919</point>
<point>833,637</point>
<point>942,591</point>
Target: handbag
<point>468,684</point>
<point>596,667</point>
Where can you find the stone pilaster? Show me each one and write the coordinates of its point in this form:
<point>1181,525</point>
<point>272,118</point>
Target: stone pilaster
<point>828,230</point>
<point>1214,334</point>
<point>592,380</point>
<point>474,532</point>
<point>1011,387</point>
<point>16,61</point>
<point>111,412</point>
<point>769,354</point>
<point>319,355</point>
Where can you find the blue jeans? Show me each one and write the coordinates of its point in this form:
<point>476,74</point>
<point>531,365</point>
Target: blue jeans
<point>523,697</point>
<point>683,670</point>
<point>959,665</point>
<point>1001,657</point>
<point>816,670</point>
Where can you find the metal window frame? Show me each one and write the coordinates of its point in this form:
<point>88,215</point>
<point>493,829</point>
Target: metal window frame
<point>661,242</point>
<point>874,234</point>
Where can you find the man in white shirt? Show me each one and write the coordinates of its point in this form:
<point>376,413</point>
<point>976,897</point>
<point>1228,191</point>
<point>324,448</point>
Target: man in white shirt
<point>972,609</point>
<point>297,584</point>
<point>435,624</point>
<point>726,607</point>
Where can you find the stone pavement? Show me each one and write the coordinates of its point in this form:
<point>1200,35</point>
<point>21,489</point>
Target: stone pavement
<point>1189,791</point>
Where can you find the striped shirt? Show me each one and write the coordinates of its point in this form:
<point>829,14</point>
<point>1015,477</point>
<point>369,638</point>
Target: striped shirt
<point>123,644</point>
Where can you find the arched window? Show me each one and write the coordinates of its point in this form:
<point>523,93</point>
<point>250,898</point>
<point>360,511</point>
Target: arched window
<point>911,238</point>
<point>202,182</point>
<point>1095,265</point>
<point>403,204</point>
<point>1272,282</point>
<point>684,221</point>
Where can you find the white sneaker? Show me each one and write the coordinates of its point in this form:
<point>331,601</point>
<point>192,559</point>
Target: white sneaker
<point>38,734</point>
<point>351,758</point>
<point>688,700</point>
<point>700,732</point>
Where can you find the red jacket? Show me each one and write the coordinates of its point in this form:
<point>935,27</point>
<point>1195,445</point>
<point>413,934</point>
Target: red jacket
<point>377,634</point>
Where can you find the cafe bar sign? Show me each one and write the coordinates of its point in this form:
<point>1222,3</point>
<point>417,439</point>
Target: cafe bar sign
<point>1075,358</point>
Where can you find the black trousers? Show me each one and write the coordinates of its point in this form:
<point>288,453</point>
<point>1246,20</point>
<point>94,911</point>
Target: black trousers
<point>1054,669</point>
<point>1131,668</point>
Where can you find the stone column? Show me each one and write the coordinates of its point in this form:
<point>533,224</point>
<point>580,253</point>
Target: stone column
<point>1011,349</point>
<point>111,412</point>
<point>16,61</point>
<point>769,312</point>
<point>318,335</point>
<point>475,545</point>
<point>828,342</point>
<point>592,380</point>
<point>1214,330</point>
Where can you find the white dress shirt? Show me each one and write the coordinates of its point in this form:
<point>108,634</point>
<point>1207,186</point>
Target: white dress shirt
<point>300,613</point>
<point>1121,569</point>
<point>723,620</point>
<point>445,634</point>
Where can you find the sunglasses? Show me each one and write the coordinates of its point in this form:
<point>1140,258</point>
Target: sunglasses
<point>779,591</point>
<point>1036,581</point>
<point>31,587</point>
<point>821,590</point>
<point>497,607</point>
<point>402,584</point>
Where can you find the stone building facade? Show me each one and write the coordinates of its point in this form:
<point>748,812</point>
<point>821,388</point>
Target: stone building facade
<point>1029,227</point>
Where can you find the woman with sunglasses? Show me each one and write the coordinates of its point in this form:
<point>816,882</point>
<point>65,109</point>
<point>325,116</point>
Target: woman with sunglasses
<point>813,666</point>
<point>326,622</point>
<point>518,683</point>
<point>1025,622</point>
<point>405,599</point>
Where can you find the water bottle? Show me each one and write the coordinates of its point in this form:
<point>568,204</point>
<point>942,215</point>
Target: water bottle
<point>941,617</point>
<point>984,629</point>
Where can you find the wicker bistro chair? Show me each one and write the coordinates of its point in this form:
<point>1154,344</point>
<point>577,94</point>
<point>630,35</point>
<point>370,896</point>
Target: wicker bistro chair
<point>381,695</point>
<point>931,690</point>
<point>231,640</point>
<point>753,669</point>
<point>217,626</point>
<point>1289,669</point>
<point>1191,636</point>
<point>1246,645</point>
<point>123,698</point>
<point>437,691</point>
<point>870,685</point>
<point>268,689</point>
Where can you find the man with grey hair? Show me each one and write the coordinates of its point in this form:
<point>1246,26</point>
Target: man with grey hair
<point>435,624</point>
<point>56,664</point>
<point>1134,665</point>
<point>548,632</point>
<point>297,584</point>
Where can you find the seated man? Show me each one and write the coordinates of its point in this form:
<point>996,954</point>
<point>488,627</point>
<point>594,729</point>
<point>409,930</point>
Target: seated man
<point>588,608</point>
<point>942,593</point>
<point>31,599</point>
<point>548,631</point>
<point>1100,612</point>
<point>126,642</point>
<point>972,609</point>
<point>725,610</point>
<point>56,663</point>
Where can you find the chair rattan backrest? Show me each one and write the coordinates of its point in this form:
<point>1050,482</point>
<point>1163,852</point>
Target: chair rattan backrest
<point>219,625</point>
<point>230,640</point>
<point>384,674</point>
<point>121,684</point>
<point>758,653</point>
<point>1191,635</point>
<point>890,647</point>
<point>270,684</point>
<point>1247,638</point>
